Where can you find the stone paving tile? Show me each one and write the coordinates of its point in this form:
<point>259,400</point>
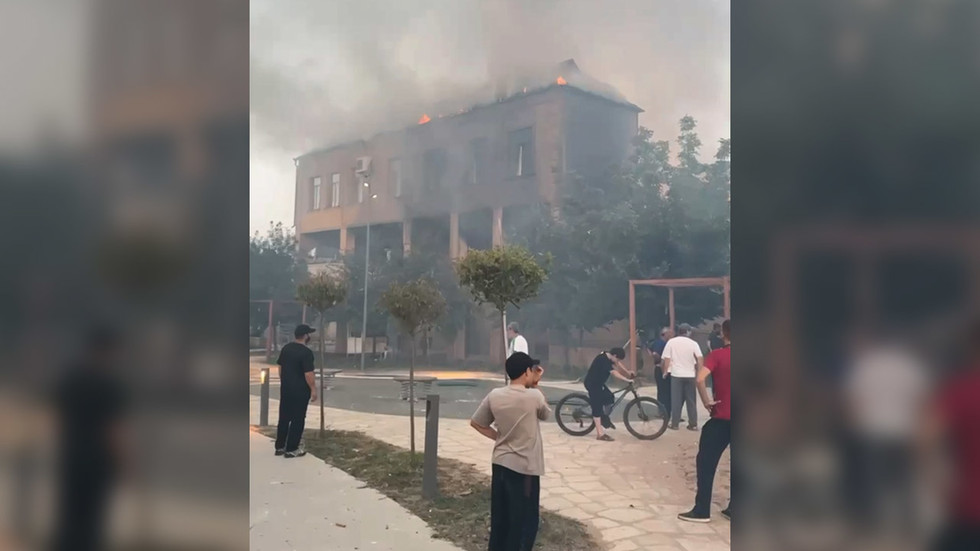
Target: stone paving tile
<point>641,480</point>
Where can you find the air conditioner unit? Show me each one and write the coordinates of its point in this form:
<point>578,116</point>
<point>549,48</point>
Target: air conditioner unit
<point>363,165</point>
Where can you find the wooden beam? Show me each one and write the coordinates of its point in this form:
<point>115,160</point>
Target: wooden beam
<point>727,289</point>
<point>670,309</point>
<point>632,341</point>
<point>686,282</point>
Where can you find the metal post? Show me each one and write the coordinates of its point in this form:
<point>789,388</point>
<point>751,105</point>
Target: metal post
<point>264,398</point>
<point>430,463</point>
<point>367,256</point>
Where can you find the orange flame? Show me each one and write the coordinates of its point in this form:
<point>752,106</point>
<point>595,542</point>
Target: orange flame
<point>425,118</point>
<point>561,81</point>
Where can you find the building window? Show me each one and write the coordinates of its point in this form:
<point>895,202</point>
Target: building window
<point>522,152</point>
<point>478,156</point>
<point>434,169</point>
<point>335,189</point>
<point>316,193</point>
<point>395,176</point>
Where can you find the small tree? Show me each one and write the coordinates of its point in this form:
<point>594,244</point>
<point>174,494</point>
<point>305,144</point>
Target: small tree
<point>502,276</point>
<point>416,306</point>
<point>321,293</point>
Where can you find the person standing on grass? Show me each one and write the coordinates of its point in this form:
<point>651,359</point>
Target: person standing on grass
<point>516,410</point>
<point>515,341</point>
<point>297,389</point>
<point>682,361</point>
<point>717,433</point>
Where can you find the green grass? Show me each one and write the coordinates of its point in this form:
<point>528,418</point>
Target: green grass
<point>460,515</point>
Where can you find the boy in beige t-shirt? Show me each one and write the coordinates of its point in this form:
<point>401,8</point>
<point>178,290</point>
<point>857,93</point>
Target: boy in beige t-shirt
<point>518,454</point>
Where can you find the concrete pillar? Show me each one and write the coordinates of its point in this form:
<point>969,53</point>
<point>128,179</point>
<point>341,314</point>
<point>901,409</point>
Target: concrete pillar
<point>407,237</point>
<point>343,239</point>
<point>454,236</point>
<point>498,227</point>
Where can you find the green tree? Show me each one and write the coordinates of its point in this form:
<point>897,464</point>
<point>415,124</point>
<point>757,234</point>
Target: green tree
<point>275,270</point>
<point>417,306</point>
<point>320,293</point>
<point>501,277</point>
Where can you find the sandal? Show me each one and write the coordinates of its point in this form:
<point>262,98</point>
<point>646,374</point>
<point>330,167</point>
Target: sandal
<point>605,438</point>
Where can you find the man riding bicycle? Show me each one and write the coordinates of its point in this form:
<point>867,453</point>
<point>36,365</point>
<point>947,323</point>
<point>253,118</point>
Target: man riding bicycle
<point>600,397</point>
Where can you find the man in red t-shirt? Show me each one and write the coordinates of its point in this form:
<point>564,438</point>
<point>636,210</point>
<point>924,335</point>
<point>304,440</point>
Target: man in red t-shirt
<point>956,421</point>
<point>717,433</point>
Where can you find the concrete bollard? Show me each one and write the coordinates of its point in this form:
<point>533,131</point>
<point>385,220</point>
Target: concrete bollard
<point>264,398</point>
<point>430,463</point>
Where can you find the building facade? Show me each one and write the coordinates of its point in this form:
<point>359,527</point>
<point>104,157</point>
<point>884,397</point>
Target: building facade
<point>451,183</point>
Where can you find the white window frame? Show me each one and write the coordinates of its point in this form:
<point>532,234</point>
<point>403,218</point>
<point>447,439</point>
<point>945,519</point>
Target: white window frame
<point>335,189</point>
<point>316,193</point>
<point>520,159</point>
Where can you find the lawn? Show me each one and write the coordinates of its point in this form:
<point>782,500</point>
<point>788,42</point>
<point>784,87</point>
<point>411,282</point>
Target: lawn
<point>462,512</point>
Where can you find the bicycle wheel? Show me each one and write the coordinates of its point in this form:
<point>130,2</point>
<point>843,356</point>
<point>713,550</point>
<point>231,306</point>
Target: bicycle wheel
<point>645,418</point>
<point>574,415</point>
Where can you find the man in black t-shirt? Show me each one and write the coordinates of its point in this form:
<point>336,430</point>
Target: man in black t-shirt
<point>297,389</point>
<point>715,340</point>
<point>605,364</point>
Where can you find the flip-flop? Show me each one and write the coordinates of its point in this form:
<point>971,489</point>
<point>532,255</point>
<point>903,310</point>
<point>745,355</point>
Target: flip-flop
<point>605,438</point>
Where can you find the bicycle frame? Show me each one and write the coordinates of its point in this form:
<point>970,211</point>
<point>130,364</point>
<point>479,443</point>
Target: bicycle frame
<point>623,392</point>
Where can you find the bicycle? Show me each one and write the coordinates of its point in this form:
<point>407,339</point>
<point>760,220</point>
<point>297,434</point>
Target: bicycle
<point>574,414</point>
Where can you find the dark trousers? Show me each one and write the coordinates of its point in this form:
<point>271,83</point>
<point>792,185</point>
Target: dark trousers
<point>514,510</point>
<point>663,388</point>
<point>292,420</point>
<point>715,437</point>
<point>84,501</point>
<point>959,537</point>
<point>683,390</point>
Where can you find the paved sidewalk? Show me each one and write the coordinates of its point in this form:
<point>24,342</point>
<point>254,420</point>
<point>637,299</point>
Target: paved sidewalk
<point>629,490</point>
<point>304,504</point>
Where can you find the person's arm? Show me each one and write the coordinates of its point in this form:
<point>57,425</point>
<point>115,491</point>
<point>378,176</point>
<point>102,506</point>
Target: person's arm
<point>489,432</point>
<point>668,352</point>
<point>702,383</point>
<point>543,410</point>
<point>620,376</point>
<point>308,375</point>
<point>483,418</point>
<point>618,366</point>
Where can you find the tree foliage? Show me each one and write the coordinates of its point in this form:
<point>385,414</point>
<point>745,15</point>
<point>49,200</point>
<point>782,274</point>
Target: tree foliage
<point>274,267</point>
<point>416,305</point>
<point>502,276</point>
<point>323,291</point>
<point>649,218</point>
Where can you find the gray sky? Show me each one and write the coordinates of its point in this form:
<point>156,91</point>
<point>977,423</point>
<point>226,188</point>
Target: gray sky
<point>324,71</point>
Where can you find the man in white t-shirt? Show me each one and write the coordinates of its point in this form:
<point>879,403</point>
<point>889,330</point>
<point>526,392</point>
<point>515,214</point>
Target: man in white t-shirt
<point>515,341</point>
<point>682,360</point>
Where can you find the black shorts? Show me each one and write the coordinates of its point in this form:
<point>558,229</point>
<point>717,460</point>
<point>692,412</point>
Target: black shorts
<point>599,397</point>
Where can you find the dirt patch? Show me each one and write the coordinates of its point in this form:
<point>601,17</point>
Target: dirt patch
<point>460,515</point>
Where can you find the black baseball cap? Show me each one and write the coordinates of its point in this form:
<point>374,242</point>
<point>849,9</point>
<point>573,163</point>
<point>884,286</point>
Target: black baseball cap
<point>303,330</point>
<point>518,363</point>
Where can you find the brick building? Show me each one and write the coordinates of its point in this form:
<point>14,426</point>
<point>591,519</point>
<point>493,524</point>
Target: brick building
<point>459,182</point>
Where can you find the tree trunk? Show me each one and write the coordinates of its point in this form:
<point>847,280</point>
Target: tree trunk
<point>411,400</point>
<point>503,329</point>
<point>323,340</point>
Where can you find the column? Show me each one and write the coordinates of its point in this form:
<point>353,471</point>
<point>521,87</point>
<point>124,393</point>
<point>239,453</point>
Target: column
<point>343,239</point>
<point>498,227</point>
<point>407,237</point>
<point>454,236</point>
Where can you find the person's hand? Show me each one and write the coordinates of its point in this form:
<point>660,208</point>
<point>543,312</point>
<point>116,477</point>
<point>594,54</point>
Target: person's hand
<point>313,398</point>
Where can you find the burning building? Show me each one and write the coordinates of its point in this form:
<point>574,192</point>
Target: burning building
<point>452,181</point>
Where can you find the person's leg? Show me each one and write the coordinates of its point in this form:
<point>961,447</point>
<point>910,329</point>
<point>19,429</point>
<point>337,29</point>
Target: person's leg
<point>691,396</point>
<point>663,393</point>
<point>516,512</point>
<point>676,401</point>
<point>596,402</point>
<point>532,511</point>
<point>282,429</point>
<point>296,425</point>
<point>498,510</point>
<point>715,437</point>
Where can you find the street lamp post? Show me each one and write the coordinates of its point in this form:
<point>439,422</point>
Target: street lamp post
<point>367,256</point>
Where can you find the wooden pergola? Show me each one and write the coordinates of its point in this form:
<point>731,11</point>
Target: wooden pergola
<point>671,284</point>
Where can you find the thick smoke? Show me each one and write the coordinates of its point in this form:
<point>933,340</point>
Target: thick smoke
<point>324,72</point>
